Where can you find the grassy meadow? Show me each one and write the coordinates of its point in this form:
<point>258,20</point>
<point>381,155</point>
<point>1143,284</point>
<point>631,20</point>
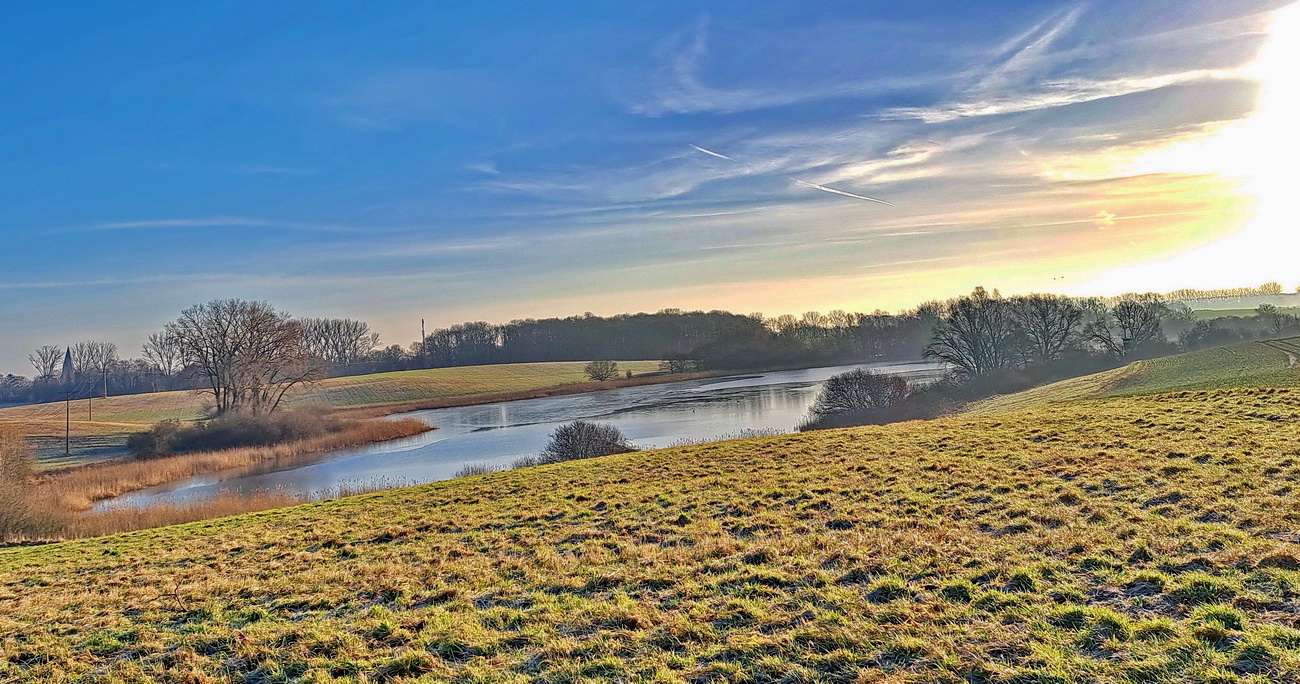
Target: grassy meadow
<point>115,417</point>
<point>1119,539</point>
<point>1248,364</point>
<point>1211,314</point>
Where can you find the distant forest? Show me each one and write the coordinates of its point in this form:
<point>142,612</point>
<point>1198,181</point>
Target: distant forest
<point>683,340</point>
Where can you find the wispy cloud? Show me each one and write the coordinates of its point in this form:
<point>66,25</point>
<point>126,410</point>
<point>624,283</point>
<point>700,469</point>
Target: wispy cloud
<point>1034,72</point>
<point>815,186</point>
<point>1054,93</point>
<point>678,86</point>
<point>1027,49</point>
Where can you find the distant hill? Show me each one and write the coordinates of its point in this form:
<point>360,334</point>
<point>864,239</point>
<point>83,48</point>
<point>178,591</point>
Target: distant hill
<point>1248,364</point>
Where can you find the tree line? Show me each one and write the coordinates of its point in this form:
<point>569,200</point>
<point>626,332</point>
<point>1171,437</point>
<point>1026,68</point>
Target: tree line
<point>245,354</point>
<point>993,345</point>
<point>984,333</point>
<point>687,340</point>
<point>978,334</point>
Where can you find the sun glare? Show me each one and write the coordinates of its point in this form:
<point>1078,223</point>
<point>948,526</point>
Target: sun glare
<point>1260,153</point>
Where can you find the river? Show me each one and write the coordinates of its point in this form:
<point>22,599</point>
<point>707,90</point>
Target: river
<point>497,434</point>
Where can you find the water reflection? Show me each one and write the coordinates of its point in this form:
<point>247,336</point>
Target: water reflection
<point>651,416</point>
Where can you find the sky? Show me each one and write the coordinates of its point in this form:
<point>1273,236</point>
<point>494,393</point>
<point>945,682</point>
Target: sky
<point>451,161</point>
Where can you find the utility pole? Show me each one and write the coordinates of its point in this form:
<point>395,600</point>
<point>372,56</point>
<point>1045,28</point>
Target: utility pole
<point>67,424</point>
<point>422,338</point>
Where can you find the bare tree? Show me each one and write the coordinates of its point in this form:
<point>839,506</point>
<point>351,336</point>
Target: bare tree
<point>1047,323</point>
<point>860,390</point>
<point>250,354</point>
<point>581,439</point>
<point>163,351</point>
<point>46,360</point>
<point>338,340</point>
<point>92,356</point>
<point>601,371</point>
<point>1131,324</point>
<point>976,334</point>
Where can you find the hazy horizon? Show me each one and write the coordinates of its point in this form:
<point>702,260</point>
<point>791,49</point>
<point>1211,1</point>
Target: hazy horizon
<point>490,163</point>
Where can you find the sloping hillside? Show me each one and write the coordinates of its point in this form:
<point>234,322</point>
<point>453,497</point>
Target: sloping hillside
<point>99,426</point>
<point>1250,364</point>
<point>1147,539</point>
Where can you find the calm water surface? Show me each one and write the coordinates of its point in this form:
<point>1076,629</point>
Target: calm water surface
<point>651,416</point>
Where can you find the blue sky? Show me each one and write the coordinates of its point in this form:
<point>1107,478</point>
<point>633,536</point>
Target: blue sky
<point>392,160</point>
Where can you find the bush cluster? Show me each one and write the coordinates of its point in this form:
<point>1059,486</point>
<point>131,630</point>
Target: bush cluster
<point>581,439</point>
<point>231,431</point>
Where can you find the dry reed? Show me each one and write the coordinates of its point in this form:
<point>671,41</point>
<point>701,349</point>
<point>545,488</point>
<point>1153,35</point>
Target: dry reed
<point>79,489</point>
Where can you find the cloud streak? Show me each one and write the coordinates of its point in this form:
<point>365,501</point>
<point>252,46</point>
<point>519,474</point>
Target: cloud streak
<point>1055,93</point>
<point>678,86</point>
<point>816,186</point>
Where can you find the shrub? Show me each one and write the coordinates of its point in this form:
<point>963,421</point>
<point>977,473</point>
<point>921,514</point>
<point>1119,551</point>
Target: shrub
<point>581,439</point>
<point>743,433</point>
<point>470,469</point>
<point>858,390</point>
<point>232,430</point>
<point>158,441</point>
<point>526,462</point>
<point>601,371</point>
<point>678,363</point>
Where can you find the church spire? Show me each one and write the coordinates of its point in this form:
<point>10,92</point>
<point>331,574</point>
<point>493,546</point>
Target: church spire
<point>66,377</point>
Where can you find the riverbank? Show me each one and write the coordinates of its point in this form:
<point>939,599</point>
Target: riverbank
<point>375,411</point>
<point>66,496</point>
<point>78,489</point>
<point>697,413</point>
<point>379,410</point>
<point>99,427</point>
<point>497,435</point>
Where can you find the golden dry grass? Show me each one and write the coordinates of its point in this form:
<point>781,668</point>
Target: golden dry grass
<point>128,519</point>
<point>1249,364</point>
<point>1139,539</point>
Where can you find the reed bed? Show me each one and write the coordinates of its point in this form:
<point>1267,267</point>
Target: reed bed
<point>78,490</point>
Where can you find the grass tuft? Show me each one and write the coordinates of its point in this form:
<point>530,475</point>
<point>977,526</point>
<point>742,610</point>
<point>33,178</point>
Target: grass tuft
<point>715,563</point>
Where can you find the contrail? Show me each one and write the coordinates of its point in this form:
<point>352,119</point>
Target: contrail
<point>792,179</point>
<point>713,154</point>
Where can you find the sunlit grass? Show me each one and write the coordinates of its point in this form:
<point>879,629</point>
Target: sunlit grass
<point>1249,364</point>
<point>1111,540</point>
